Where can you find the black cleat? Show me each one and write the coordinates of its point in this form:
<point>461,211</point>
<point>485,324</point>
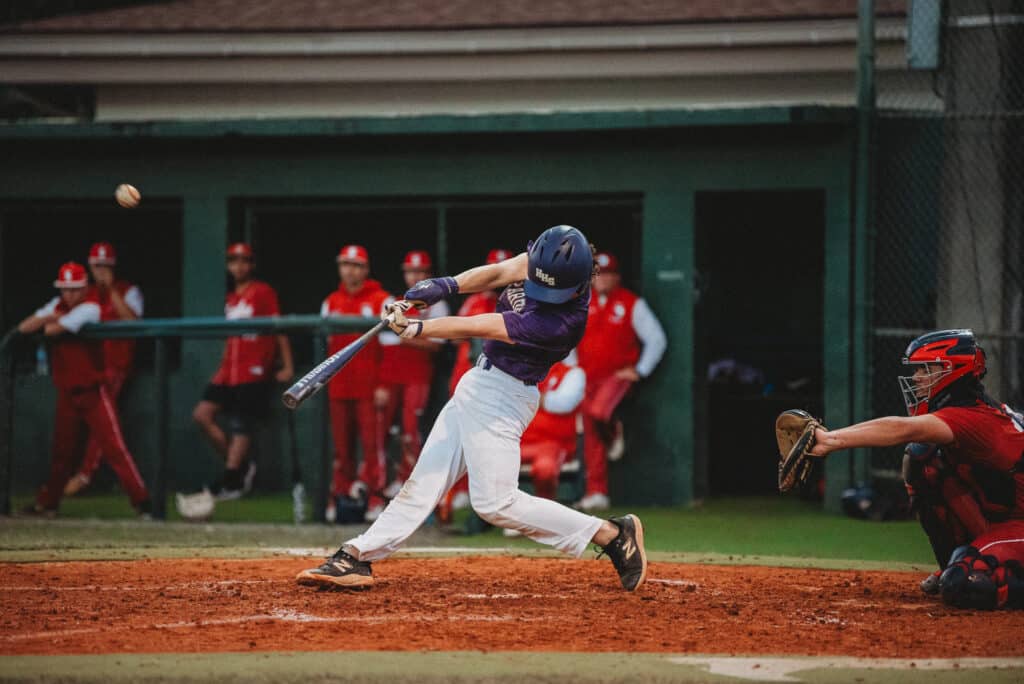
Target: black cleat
<point>930,584</point>
<point>627,552</point>
<point>34,510</point>
<point>340,571</point>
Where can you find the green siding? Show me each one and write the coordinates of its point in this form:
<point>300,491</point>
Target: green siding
<point>602,155</point>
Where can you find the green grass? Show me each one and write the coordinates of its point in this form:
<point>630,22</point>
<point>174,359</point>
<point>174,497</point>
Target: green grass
<point>477,667</point>
<point>769,530</point>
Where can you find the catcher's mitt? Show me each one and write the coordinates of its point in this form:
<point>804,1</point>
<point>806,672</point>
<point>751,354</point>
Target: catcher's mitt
<point>794,430</point>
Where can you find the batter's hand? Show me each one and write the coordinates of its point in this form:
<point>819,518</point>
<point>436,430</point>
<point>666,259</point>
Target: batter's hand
<point>394,314</point>
<point>431,291</point>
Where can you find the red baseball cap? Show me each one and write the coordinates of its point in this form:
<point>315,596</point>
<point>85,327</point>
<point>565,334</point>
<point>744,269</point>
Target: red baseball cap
<point>354,254</point>
<point>496,256</point>
<point>607,262</point>
<point>71,275</point>
<point>416,261</point>
<point>102,254</point>
<point>240,249</point>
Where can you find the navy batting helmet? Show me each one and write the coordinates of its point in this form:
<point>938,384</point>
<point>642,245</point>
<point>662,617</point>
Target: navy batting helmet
<point>560,264</point>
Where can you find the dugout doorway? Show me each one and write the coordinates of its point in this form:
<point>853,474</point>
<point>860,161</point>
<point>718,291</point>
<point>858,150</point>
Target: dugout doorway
<point>758,329</point>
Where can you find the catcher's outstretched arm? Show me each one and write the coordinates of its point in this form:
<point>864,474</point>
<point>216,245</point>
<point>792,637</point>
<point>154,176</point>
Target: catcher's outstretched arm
<point>883,432</point>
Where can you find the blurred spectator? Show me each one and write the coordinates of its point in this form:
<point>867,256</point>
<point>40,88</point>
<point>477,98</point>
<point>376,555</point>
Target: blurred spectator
<point>353,394</point>
<point>119,300</point>
<point>83,401</point>
<point>550,439</point>
<point>407,368</point>
<point>241,387</point>
<point>623,343</point>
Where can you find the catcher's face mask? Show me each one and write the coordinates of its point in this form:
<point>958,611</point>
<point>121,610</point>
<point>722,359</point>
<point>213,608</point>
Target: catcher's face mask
<point>918,388</point>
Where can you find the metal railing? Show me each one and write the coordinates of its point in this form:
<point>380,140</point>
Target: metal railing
<point>160,330</point>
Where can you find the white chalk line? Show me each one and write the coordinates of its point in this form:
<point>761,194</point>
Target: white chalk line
<point>783,669</point>
<point>280,615</point>
<point>132,587</point>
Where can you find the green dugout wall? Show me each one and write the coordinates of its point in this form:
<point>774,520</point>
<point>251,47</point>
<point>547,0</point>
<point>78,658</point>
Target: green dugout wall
<point>213,170</point>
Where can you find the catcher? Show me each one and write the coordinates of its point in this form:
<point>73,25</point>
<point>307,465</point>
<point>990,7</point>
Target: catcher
<point>963,467</point>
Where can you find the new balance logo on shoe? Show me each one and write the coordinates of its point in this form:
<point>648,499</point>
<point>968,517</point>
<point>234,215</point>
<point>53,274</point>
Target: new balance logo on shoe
<point>628,549</point>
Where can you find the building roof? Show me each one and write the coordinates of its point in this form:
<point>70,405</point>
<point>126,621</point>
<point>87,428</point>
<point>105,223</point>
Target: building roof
<point>245,16</point>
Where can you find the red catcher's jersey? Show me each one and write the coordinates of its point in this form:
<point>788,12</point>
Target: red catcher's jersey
<point>610,343</point>
<point>359,378</point>
<point>117,354</point>
<point>75,361</point>
<point>552,427</point>
<point>475,304</point>
<point>248,358</point>
<point>988,453</point>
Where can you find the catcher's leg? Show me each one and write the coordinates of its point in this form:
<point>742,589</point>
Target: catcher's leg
<point>924,474</point>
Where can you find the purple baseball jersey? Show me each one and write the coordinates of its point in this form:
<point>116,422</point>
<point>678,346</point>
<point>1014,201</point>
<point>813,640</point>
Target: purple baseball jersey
<point>543,334</point>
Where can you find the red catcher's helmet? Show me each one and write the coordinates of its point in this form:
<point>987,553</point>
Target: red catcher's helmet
<point>102,254</point>
<point>938,359</point>
<point>496,256</point>
<point>416,261</point>
<point>240,249</point>
<point>70,276</point>
<point>607,262</point>
<point>354,254</point>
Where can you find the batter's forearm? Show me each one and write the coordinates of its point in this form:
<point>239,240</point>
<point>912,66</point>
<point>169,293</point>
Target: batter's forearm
<point>492,276</point>
<point>483,326</point>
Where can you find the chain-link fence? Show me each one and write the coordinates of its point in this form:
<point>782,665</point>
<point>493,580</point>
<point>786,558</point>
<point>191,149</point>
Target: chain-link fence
<point>949,201</point>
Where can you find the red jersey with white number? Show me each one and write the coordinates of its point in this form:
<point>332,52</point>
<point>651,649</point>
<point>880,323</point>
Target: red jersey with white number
<point>553,427</point>
<point>75,362</point>
<point>610,343</point>
<point>119,354</point>
<point>403,364</point>
<point>988,454</point>
<point>359,378</point>
<point>475,304</point>
<point>248,358</point>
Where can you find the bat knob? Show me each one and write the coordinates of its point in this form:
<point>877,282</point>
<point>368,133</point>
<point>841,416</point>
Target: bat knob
<point>289,400</point>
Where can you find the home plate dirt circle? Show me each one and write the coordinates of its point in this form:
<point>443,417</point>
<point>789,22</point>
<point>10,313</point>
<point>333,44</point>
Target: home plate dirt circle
<point>486,603</point>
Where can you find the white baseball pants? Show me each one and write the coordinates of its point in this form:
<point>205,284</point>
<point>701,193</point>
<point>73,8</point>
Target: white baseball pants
<point>478,431</point>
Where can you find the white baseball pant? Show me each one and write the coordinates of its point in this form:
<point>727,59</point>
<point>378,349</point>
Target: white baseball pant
<point>478,431</point>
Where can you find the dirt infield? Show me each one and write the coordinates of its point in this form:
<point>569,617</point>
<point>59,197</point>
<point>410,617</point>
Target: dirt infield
<point>485,603</point>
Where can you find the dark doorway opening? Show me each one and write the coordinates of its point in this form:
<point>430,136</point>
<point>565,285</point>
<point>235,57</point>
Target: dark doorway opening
<point>759,329</point>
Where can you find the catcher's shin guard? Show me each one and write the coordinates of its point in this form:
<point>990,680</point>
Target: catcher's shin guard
<point>923,472</point>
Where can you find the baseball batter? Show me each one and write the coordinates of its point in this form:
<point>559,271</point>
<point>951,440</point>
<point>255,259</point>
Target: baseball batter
<point>964,470</point>
<point>540,318</point>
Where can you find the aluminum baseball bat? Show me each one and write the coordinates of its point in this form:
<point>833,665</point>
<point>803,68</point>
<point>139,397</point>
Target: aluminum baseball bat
<point>311,383</point>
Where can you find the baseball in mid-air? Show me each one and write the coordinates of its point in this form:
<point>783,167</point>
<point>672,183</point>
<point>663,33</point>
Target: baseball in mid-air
<point>127,196</point>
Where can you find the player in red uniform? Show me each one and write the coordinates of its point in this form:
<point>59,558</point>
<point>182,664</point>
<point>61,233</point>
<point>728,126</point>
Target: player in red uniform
<point>551,437</point>
<point>353,391</point>
<point>242,385</point>
<point>406,370</point>
<point>83,401</point>
<point>964,469</point>
<point>623,343</point>
<point>119,300</point>
<point>466,353</point>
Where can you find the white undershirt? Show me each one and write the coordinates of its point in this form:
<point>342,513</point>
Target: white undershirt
<point>72,321</point>
<point>564,398</point>
<point>652,337</point>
